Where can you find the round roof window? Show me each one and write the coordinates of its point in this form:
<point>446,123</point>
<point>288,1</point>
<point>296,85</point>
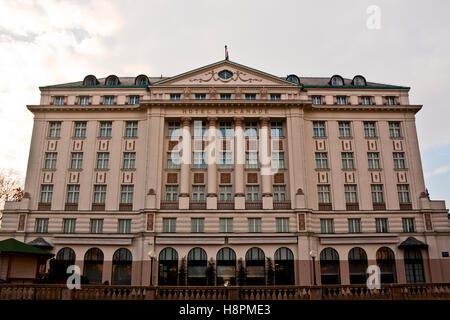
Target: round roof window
<point>225,74</point>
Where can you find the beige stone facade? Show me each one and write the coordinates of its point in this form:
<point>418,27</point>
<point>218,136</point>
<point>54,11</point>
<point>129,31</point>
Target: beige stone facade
<point>344,184</point>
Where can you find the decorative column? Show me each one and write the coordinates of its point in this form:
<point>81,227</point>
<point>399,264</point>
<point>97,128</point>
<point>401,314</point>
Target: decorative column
<point>211,165</point>
<point>185,166</point>
<point>239,162</point>
<point>265,161</point>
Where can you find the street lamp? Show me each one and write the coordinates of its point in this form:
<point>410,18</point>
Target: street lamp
<point>152,256</point>
<point>313,254</point>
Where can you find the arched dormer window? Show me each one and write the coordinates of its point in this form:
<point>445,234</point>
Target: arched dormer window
<point>90,81</point>
<point>359,81</point>
<point>141,80</point>
<point>337,81</point>
<point>293,78</point>
<point>112,81</point>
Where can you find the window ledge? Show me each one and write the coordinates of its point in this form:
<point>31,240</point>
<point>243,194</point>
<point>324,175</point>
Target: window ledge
<point>75,169</point>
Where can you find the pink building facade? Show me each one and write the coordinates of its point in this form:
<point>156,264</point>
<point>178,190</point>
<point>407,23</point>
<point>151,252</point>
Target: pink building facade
<point>134,179</point>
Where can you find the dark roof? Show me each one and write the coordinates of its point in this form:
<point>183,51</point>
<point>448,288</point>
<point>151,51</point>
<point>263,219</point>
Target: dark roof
<point>412,242</point>
<point>40,243</point>
<point>14,246</point>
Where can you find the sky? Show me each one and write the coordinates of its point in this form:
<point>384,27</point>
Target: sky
<point>44,42</point>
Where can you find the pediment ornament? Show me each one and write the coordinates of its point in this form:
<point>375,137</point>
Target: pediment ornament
<point>237,75</point>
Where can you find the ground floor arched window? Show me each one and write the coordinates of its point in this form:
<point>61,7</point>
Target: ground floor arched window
<point>255,262</point>
<point>357,264</point>
<point>197,261</point>
<point>386,263</point>
<point>168,267</point>
<point>122,267</point>
<point>64,258</point>
<point>226,267</point>
<point>414,266</point>
<point>284,267</point>
<point>329,266</point>
<point>93,265</point>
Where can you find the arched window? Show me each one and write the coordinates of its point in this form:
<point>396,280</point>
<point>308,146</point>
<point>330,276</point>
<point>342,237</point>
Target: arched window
<point>168,267</point>
<point>359,81</point>
<point>122,266</point>
<point>357,264</point>
<point>226,266</point>
<point>58,267</point>
<point>414,266</point>
<point>284,266</point>
<point>112,81</point>
<point>225,74</point>
<point>93,265</point>
<point>337,81</point>
<point>255,262</point>
<point>90,81</point>
<point>293,78</point>
<point>142,80</point>
<point>329,266</point>
<point>386,263</point>
<point>197,261</point>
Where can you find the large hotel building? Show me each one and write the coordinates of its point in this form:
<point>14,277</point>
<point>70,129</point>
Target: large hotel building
<point>230,175</point>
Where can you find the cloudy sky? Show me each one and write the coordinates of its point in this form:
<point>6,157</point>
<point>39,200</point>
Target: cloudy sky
<point>45,42</point>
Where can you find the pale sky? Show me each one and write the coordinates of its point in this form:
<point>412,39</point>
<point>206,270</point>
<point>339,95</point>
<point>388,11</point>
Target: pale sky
<point>44,42</point>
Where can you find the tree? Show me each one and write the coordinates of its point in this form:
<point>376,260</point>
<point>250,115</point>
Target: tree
<point>242,275</point>
<point>210,273</point>
<point>270,272</point>
<point>10,187</point>
<point>182,272</point>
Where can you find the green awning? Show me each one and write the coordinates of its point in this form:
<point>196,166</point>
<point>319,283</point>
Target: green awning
<point>14,246</point>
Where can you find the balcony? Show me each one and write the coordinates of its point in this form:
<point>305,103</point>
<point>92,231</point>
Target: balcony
<point>71,207</point>
<point>352,206</point>
<point>282,205</point>
<point>253,205</point>
<point>379,206</point>
<point>325,207</point>
<point>225,205</point>
<point>125,206</point>
<point>98,207</point>
<point>169,205</point>
<point>43,206</point>
<point>406,206</point>
<point>197,205</point>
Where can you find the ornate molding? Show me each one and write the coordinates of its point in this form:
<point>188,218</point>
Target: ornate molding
<point>237,75</point>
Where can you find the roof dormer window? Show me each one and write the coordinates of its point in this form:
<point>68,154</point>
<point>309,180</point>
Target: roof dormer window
<point>90,81</point>
<point>337,81</point>
<point>142,80</point>
<point>112,81</point>
<point>293,78</point>
<point>359,81</point>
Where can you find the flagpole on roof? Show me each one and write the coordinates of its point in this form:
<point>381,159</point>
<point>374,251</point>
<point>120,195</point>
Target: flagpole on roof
<point>226,53</point>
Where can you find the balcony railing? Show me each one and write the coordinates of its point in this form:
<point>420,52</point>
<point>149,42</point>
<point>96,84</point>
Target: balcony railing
<point>98,207</point>
<point>169,205</point>
<point>282,205</point>
<point>44,206</point>
<point>71,207</point>
<point>405,206</point>
<point>434,291</point>
<point>253,205</point>
<point>352,206</point>
<point>325,206</point>
<point>379,206</point>
<point>225,205</point>
<point>125,206</point>
<point>197,205</point>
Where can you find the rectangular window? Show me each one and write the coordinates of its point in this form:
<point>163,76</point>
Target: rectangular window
<point>73,193</point>
<point>408,225</point>
<point>276,129</point>
<point>46,193</point>
<point>169,225</point>
<point>374,160</point>
<point>279,193</point>
<point>226,129</point>
<point>108,100</point>
<point>59,100</point>
<point>69,225</point>
<point>131,129</point>
<point>126,193</point>
<point>129,160</point>
<point>225,96</point>
<point>251,160</point>
<point>399,160</point>
<point>54,130</point>
<point>390,101</point>
<point>252,193</point>
<point>124,226</point>
<point>341,100</point>
<point>345,130</point>
<point>321,160</point>
<point>348,162</point>
<point>370,130</point>
<point>254,224</point>
<point>41,225</point>
<point>366,100</point>
<point>225,193</point>
<point>198,225</point>
<point>102,160</point>
<point>275,96</point>
<point>377,193</point>
<point>50,160</point>
<point>174,130</point>
<point>282,224</point>
<point>199,128</point>
<point>100,193</point>
<point>323,193</point>
<point>175,96</point>
<point>394,130</point>
<point>225,160</point>
<point>84,100</point>
<point>278,160</point>
<point>250,96</point>
<point>354,225</point>
<point>319,129</point>
<point>171,192</point>
<point>200,96</point>
<point>80,129</point>
<point>96,226</point>
<point>326,226</point>
<point>317,100</point>
<point>173,160</point>
<point>105,129</point>
<point>133,100</point>
<point>226,225</point>
<point>198,193</point>
<point>381,225</point>
<point>199,160</point>
<point>350,193</point>
<point>76,161</point>
<point>403,193</point>
<point>251,129</point>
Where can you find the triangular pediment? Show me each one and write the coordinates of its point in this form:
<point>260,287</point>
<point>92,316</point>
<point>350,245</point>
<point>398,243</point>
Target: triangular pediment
<point>210,75</point>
